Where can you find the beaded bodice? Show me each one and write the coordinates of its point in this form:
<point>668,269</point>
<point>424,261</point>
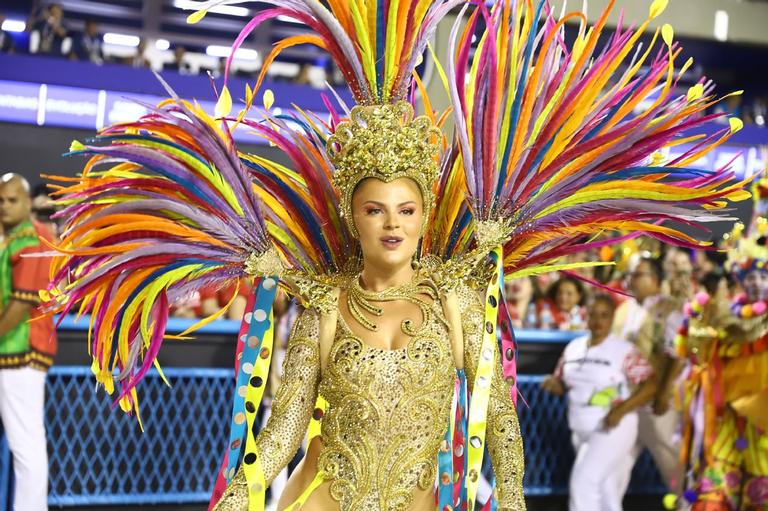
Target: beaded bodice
<point>388,411</point>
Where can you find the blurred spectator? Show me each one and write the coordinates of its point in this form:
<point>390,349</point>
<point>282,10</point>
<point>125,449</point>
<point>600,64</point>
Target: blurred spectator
<point>7,44</point>
<point>606,380</point>
<point>179,64</point>
<point>87,45</point>
<point>187,307</point>
<point>303,77</point>
<point>707,261</point>
<point>519,294</point>
<point>138,60</point>
<point>214,299</point>
<point>51,32</point>
<point>645,278</point>
<point>679,270</point>
<point>43,208</point>
<point>563,307</point>
<point>717,283</point>
<point>651,322</point>
<point>27,344</point>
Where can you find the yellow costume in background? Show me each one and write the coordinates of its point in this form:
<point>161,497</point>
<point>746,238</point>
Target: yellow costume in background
<point>725,403</point>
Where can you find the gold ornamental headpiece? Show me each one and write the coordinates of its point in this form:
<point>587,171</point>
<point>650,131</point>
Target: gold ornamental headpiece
<point>384,142</point>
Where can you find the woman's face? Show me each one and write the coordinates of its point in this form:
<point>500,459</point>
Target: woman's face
<point>519,289</point>
<point>567,296</point>
<point>756,285</point>
<point>600,319</point>
<point>388,218</point>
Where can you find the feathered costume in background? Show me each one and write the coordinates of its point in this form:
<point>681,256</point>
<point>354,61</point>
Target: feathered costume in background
<point>548,152</point>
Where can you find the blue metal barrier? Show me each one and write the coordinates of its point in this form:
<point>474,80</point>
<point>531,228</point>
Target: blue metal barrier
<point>229,326</point>
<point>5,472</point>
<point>98,455</point>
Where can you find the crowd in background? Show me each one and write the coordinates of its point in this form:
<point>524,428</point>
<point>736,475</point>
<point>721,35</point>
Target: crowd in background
<point>52,34</point>
<point>558,301</point>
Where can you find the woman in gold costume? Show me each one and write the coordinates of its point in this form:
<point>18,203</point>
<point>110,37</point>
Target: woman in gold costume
<point>396,238</point>
<point>387,376</point>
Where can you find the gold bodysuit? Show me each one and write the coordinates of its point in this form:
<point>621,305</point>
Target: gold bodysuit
<point>388,411</point>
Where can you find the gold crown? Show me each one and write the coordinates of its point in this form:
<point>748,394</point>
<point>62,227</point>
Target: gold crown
<point>384,142</point>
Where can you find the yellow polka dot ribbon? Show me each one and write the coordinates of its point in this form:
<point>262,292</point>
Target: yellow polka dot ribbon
<point>317,481</point>
<point>481,388</point>
<point>254,474</point>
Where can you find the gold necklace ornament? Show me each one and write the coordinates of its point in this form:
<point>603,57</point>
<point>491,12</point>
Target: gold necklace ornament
<point>361,301</point>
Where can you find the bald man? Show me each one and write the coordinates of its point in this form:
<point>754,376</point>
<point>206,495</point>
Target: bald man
<point>27,347</point>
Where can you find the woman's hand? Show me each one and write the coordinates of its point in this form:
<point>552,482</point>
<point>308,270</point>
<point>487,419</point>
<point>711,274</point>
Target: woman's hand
<point>553,385</point>
<point>614,417</point>
<point>661,403</point>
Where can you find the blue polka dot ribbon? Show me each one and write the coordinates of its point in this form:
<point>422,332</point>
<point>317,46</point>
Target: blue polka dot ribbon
<point>450,457</point>
<point>254,352</point>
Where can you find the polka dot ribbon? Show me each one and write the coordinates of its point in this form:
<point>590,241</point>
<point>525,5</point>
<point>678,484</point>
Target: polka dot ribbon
<point>254,391</point>
<point>321,405</point>
<point>481,389</point>
<point>254,352</point>
<point>450,457</point>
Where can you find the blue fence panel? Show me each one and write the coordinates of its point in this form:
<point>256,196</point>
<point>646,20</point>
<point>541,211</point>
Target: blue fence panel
<point>99,456</point>
<point>5,472</point>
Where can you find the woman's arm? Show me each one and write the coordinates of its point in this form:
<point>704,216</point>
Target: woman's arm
<point>639,397</point>
<point>503,438</point>
<point>639,374</point>
<point>292,407</point>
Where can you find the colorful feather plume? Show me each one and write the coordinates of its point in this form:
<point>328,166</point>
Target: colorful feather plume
<point>175,212</point>
<point>564,142</point>
<point>300,204</point>
<point>376,44</point>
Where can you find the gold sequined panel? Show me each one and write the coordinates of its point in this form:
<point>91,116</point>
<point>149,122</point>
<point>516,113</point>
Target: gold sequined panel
<point>505,443</point>
<point>295,399</point>
<point>235,497</point>
<point>388,411</point>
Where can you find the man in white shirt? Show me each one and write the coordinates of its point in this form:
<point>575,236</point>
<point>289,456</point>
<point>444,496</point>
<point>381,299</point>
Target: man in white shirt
<point>650,321</point>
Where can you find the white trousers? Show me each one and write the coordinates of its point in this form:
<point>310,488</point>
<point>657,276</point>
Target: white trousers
<point>601,460</point>
<point>22,410</point>
<point>659,434</point>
